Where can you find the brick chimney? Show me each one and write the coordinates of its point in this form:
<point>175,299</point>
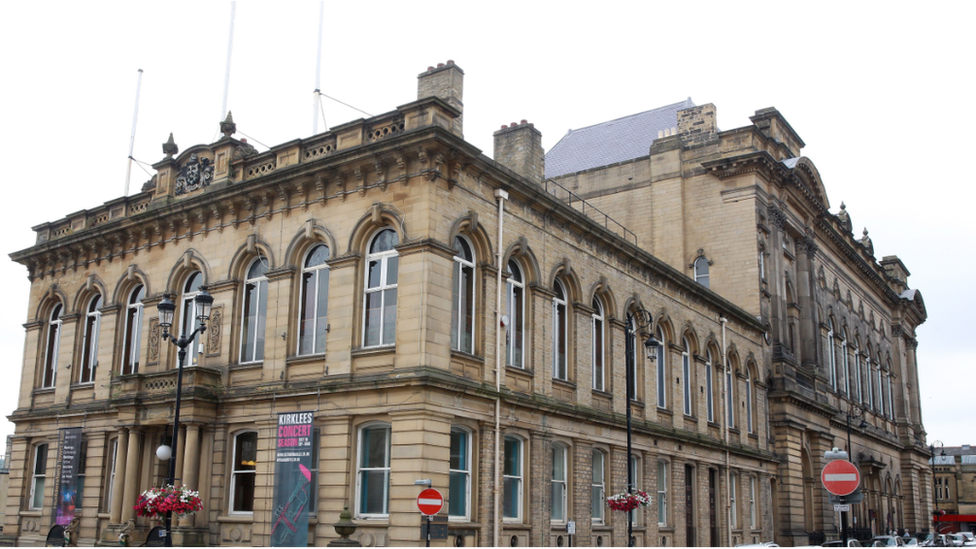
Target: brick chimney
<point>518,147</point>
<point>697,124</point>
<point>445,81</point>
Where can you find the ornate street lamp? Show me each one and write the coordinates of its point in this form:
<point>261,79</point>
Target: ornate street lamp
<point>853,412</point>
<point>641,323</point>
<point>166,308</point>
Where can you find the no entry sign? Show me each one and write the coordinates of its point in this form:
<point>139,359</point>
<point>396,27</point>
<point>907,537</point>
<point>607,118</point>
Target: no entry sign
<point>430,502</point>
<point>840,477</point>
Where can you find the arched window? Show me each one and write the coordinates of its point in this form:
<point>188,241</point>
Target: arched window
<point>686,376</point>
<point>559,461</point>
<point>460,475</point>
<point>462,311</point>
<point>516,315</point>
<point>512,481</point>
<point>255,312</point>
<point>53,347</point>
<point>662,378</point>
<point>701,271</point>
<point>313,320</point>
<point>709,387</point>
<point>133,331</point>
<point>380,300</point>
<point>190,322</point>
<point>831,363</point>
<point>599,346</point>
<point>662,493</point>
<point>243,472</point>
<point>89,350</point>
<point>38,477</point>
<point>560,331</point>
<point>729,396</point>
<point>847,367</point>
<point>373,471</point>
<point>598,486</point>
<point>749,401</point>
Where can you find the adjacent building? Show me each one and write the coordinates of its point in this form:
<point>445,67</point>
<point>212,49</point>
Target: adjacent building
<point>954,470</point>
<point>744,213</point>
<point>453,317</point>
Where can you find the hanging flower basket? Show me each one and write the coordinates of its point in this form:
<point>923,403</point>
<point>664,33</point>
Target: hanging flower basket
<point>628,502</point>
<point>156,502</point>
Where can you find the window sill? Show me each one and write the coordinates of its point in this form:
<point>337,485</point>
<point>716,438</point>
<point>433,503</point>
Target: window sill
<point>374,518</point>
<point>42,390</point>
<point>665,528</point>
<point>242,517</point>
<point>32,513</point>
<point>305,359</point>
<point>246,366</point>
<point>692,419</point>
<point>665,411</point>
<point>370,351</point>
<point>516,524</point>
<point>84,385</point>
<point>565,383</point>
<point>466,355</point>
<point>604,394</point>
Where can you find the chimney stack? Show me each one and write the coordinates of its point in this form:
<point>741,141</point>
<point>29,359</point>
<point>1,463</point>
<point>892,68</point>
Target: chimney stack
<point>518,147</point>
<point>445,81</point>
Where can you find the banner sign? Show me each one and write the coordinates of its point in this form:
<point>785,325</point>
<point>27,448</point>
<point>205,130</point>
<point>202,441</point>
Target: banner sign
<point>293,480</point>
<point>66,481</point>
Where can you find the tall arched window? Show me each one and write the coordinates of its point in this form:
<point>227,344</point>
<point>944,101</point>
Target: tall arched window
<point>255,312</point>
<point>709,387</point>
<point>558,511</point>
<point>662,492</point>
<point>599,346</point>
<point>460,474</point>
<point>512,480</point>
<point>38,477</point>
<point>462,310</point>
<point>662,377</point>
<point>89,360</point>
<point>53,347</point>
<point>373,471</point>
<point>560,331</point>
<point>729,396</point>
<point>749,401</point>
<point>516,315</point>
<point>701,271</point>
<point>686,376</point>
<point>380,300</point>
<point>133,331</point>
<point>598,487</point>
<point>313,320</point>
<point>831,364</point>
<point>190,290</point>
<point>243,472</point>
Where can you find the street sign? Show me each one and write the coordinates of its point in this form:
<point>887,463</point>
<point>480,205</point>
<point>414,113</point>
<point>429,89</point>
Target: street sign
<point>430,502</point>
<point>857,496</point>
<point>842,508</point>
<point>840,477</point>
<point>571,527</point>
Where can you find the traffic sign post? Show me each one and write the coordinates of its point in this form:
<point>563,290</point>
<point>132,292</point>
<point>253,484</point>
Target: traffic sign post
<point>841,478</point>
<point>430,502</point>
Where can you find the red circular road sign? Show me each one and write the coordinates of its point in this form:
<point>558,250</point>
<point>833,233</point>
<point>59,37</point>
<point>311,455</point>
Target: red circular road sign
<point>430,502</point>
<point>840,477</point>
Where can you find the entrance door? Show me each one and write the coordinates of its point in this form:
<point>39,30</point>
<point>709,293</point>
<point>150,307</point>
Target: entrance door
<point>690,506</point>
<point>712,523</point>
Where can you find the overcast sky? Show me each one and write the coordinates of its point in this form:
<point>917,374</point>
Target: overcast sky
<point>880,92</point>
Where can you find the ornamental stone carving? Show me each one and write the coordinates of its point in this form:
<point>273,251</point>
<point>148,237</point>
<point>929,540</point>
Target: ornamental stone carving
<point>153,340</point>
<point>195,174</point>
<point>213,332</point>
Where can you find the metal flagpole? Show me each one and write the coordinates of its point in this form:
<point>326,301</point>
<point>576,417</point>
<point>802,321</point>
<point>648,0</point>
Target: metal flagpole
<point>230,49</point>
<point>317,99</point>
<point>132,136</point>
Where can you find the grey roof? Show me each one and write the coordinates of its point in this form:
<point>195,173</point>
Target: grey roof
<point>611,142</point>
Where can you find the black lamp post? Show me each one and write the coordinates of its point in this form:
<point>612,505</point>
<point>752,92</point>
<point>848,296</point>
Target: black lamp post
<point>853,412</point>
<point>935,495</point>
<point>204,302</point>
<point>641,324</point>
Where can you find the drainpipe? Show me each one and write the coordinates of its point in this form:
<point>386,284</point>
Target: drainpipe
<point>725,397</point>
<point>502,196</point>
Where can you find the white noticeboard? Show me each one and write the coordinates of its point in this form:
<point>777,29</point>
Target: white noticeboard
<point>842,507</point>
<point>571,527</point>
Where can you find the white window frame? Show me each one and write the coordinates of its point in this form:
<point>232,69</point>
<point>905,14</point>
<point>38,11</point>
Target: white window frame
<point>38,476</point>
<point>516,478</point>
<point>515,307</point>
<point>701,271</point>
<point>252,344</point>
<point>662,492</point>
<point>599,346</point>
<point>560,335</point>
<point>89,348</point>
<point>662,372</point>
<point>686,377</point>
<point>113,456</point>
<point>54,326</point>
<point>635,516</point>
<point>709,387</point>
<point>236,473</point>
<point>598,486</point>
<point>463,306</point>
<point>560,453</point>
<point>189,321</point>
<point>316,279</point>
<point>132,339</point>
<point>464,472</point>
<point>383,259</point>
<point>384,468</point>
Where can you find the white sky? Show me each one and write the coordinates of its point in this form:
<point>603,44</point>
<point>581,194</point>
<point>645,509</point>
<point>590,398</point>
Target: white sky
<point>877,90</point>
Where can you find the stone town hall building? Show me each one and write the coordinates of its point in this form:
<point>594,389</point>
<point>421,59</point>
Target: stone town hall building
<point>365,275</point>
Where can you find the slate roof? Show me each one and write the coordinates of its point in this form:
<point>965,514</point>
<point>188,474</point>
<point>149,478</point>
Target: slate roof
<point>613,141</point>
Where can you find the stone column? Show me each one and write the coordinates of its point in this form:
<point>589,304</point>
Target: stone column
<point>118,482</point>
<point>191,464</point>
<point>131,486</point>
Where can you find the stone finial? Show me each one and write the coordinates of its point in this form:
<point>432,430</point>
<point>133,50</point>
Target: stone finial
<point>169,147</point>
<point>228,127</point>
<point>345,528</point>
<point>866,242</point>
<point>844,217</point>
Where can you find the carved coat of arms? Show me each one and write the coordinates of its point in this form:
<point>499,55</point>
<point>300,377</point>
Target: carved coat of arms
<point>194,175</point>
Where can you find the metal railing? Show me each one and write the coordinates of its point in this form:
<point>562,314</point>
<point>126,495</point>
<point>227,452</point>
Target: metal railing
<point>577,202</point>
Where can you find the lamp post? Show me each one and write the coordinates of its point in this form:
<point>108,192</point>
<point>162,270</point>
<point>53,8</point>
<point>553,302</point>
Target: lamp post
<point>935,495</point>
<point>641,323</point>
<point>853,412</point>
<point>166,308</point>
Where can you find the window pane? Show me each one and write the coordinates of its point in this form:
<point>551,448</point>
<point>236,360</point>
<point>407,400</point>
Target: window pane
<point>458,495</point>
<point>467,308</point>
<point>558,463</point>
<point>373,274</point>
<point>243,492</point>
<point>513,465</point>
<point>40,462</point>
<point>373,491</point>
<point>307,316</point>
<point>246,452</point>
<point>372,327</point>
<point>510,500</point>
<point>391,270</point>
<point>261,320</point>
<point>389,316</point>
<point>375,446</point>
<point>322,311</point>
<point>249,322</point>
<point>455,306</point>
<point>459,450</point>
<point>38,501</point>
<point>558,494</point>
